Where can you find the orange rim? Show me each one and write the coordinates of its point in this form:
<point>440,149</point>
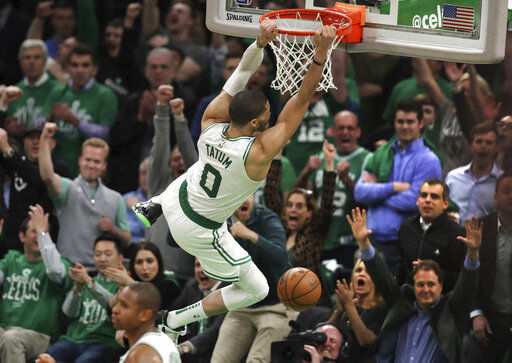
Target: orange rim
<point>328,17</point>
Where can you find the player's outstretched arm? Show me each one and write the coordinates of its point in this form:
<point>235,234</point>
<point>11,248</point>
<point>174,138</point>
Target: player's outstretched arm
<point>218,109</point>
<point>275,138</point>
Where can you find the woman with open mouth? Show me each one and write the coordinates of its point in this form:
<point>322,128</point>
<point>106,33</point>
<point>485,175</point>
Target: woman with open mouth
<point>359,315</point>
<point>306,224</point>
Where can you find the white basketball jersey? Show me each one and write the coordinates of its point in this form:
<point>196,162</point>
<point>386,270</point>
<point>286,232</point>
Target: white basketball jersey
<point>217,184</point>
<point>161,344</point>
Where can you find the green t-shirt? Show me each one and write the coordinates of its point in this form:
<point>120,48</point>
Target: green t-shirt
<point>121,221</point>
<point>310,136</point>
<point>96,104</point>
<point>287,182</point>
<point>29,298</point>
<point>340,232</point>
<point>30,105</point>
<point>409,88</point>
<point>93,325</point>
<point>433,133</point>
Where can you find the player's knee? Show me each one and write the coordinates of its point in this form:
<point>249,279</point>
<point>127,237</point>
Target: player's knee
<point>262,291</point>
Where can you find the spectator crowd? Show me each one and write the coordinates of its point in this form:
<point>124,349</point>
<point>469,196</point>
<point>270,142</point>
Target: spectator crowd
<point>396,190</point>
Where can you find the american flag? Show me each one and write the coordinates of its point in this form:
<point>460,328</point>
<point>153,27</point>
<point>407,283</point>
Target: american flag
<point>458,17</point>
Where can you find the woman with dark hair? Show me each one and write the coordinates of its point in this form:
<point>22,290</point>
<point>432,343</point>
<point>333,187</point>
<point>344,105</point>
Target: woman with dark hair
<point>306,224</point>
<point>146,265</point>
<point>359,315</point>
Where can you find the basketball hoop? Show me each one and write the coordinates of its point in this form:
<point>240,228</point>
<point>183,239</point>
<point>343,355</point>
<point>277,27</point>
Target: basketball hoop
<point>294,45</point>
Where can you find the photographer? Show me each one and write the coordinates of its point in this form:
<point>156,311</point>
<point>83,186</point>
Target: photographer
<point>330,349</point>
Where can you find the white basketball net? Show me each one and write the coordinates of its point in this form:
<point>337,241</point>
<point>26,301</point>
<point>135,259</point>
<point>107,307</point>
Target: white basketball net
<point>294,54</point>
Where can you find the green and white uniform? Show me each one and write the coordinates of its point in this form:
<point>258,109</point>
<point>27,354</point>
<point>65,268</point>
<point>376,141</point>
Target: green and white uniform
<point>30,299</point>
<point>92,325</point>
<point>286,183</point>
<point>340,233</point>
<point>161,344</point>
<point>197,204</point>
<point>30,105</point>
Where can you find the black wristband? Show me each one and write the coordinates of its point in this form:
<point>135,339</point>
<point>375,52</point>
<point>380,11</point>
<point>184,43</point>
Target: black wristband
<point>318,63</point>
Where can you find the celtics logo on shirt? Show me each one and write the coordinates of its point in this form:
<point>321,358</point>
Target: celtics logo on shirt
<point>21,287</point>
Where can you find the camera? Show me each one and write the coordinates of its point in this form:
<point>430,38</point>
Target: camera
<point>291,350</point>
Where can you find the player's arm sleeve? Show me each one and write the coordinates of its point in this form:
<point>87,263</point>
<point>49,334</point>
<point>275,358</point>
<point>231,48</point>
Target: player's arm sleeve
<point>159,174</point>
<point>53,264</point>
<point>272,242</point>
<point>71,305</point>
<point>101,295</point>
<point>429,167</point>
<point>372,193</point>
<point>60,200</point>
<point>121,217</point>
<point>185,143</point>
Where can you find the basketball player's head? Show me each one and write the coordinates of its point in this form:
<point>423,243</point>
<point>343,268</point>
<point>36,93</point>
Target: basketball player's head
<point>136,306</point>
<point>250,108</point>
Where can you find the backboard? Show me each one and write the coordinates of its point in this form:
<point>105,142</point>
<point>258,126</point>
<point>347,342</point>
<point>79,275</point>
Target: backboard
<point>469,31</point>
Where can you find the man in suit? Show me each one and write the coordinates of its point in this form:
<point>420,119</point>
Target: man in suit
<point>422,324</point>
<point>432,235</point>
<point>492,316</point>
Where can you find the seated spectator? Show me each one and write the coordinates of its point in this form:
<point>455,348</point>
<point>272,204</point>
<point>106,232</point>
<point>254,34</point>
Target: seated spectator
<point>137,228</point>
<point>251,330</point>
<point>350,161</point>
<point>146,265</point>
<point>392,178</point>
<point>36,86</point>
<point>90,337</point>
<point>85,199</point>
<point>165,165</point>
<point>197,345</point>
<point>64,20</point>
<point>422,324</point>
<point>328,351</point>
<point>34,284</point>
<point>306,225</point>
<point>359,315</point>
<point>472,186</point>
<point>82,109</point>
<point>411,87</point>
<point>492,311</point>
<point>432,235</point>
<point>135,313</point>
<point>26,187</point>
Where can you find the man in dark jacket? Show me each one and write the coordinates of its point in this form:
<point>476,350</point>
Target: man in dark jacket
<point>27,188</point>
<point>251,330</point>
<point>432,235</point>
<point>422,324</point>
<point>492,313</point>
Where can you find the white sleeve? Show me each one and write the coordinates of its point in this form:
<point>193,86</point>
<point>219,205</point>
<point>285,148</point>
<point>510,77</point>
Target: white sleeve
<point>249,64</point>
<point>55,269</point>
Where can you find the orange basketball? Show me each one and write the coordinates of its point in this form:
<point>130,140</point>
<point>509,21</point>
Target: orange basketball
<point>299,289</point>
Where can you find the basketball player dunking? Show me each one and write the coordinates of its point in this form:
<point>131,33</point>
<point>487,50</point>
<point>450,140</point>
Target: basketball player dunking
<point>232,164</point>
